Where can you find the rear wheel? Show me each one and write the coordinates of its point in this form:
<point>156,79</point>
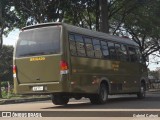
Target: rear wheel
<point>59,99</point>
<point>101,97</point>
<point>142,92</point>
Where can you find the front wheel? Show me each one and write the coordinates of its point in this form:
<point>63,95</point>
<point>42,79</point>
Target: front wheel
<point>59,99</point>
<point>101,97</point>
<point>142,93</point>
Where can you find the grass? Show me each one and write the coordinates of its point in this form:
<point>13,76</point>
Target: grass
<point>11,95</point>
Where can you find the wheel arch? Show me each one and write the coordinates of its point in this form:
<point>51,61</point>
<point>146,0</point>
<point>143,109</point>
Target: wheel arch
<point>143,81</point>
<point>105,81</point>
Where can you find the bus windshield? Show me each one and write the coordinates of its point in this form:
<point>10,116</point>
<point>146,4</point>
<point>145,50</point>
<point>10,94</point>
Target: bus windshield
<point>40,41</point>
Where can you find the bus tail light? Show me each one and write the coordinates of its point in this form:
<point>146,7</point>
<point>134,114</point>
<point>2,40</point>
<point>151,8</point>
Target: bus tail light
<point>63,67</point>
<point>14,71</point>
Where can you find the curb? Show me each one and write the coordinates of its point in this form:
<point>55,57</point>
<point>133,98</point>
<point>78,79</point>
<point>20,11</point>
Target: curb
<point>154,90</point>
<point>24,100</point>
<point>14,101</point>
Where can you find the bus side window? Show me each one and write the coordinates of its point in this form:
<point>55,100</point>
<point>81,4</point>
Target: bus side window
<point>72,45</point>
<point>118,50</point>
<point>105,51</point>
<point>80,45</point>
<point>97,48</point>
<point>124,53</point>
<point>132,54</point>
<point>112,51</point>
<point>89,47</point>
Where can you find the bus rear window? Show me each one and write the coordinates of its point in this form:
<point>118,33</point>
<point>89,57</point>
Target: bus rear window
<point>39,41</point>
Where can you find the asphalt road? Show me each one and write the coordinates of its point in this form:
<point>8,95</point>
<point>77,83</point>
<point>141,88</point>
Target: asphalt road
<point>117,106</point>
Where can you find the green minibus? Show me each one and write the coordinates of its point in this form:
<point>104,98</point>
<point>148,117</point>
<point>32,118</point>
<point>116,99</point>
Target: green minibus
<point>66,61</point>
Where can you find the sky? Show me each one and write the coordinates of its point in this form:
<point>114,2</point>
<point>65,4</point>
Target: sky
<point>13,37</point>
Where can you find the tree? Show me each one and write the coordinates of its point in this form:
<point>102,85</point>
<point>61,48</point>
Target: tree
<point>104,18</point>
<point>143,26</point>
<point>92,14</point>
<point>137,19</point>
<point>81,13</point>
<point>6,56</point>
<point>40,11</point>
<point>8,18</point>
<point>155,74</point>
<point>1,27</point>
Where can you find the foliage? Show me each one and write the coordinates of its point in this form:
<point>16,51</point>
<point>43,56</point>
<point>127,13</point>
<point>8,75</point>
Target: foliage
<point>40,11</point>
<point>8,18</point>
<point>155,74</point>
<point>138,19</point>
<point>143,27</point>
<point>4,84</point>
<point>6,56</point>
<point>81,13</point>
<point>5,94</point>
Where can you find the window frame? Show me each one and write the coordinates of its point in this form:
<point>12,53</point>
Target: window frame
<point>70,44</point>
<point>100,47</point>
<point>135,61</point>
<point>103,40</point>
<point>86,47</point>
<point>105,49</point>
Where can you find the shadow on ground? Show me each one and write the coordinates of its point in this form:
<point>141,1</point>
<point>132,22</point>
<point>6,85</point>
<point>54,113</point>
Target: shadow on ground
<point>152,101</point>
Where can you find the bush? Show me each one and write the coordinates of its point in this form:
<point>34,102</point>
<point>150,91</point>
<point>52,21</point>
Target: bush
<point>4,84</point>
<point>4,94</point>
<point>4,89</point>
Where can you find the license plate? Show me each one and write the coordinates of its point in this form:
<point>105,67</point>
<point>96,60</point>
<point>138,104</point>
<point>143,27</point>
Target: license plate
<point>37,88</point>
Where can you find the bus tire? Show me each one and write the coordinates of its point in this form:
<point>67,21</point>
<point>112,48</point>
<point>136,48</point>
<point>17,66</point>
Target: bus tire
<point>59,99</point>
<point>142,93</point>
<point>101,97</point>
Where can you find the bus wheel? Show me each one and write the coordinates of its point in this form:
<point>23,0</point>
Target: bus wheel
<point>59,99</point>
<point>142,92</point>
<point>101,97</point>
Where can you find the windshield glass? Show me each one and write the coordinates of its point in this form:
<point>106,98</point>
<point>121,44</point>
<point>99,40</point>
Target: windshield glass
<point>39,41</point>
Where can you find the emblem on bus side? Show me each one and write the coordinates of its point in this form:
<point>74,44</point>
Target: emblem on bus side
<point>37,59</point>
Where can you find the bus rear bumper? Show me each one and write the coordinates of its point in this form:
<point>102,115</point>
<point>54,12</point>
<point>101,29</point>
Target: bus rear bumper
<point>39,88</point>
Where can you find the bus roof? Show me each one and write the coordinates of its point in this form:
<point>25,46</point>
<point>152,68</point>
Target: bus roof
<point>86,32</point>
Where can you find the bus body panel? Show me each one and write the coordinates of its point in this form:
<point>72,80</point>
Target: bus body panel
<point>38,69</point>
<point>87,74</point>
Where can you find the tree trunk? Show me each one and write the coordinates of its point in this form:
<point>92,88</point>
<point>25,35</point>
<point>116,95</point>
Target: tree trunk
<point>0,59</point>
<point>1,40</point>
<point>97,15</point>
<point>1,26</point>
<point>1,37</point>
<point>9,89</point>
<point>104,21</point>
<point>0,89</point>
